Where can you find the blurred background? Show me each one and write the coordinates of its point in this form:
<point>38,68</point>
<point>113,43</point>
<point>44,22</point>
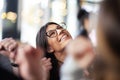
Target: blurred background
<point>21,19</point>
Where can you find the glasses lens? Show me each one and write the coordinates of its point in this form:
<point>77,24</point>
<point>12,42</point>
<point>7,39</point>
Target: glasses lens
<point>52,33</point>
<point>63,25</point>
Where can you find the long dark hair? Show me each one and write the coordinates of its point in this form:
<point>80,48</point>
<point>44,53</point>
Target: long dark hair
<point>42,42</point>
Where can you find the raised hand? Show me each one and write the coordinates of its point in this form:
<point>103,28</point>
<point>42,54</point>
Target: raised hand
<point>25,56</point>
<point>82,51</point>
<point>8,47</point>
<point>46,67</point>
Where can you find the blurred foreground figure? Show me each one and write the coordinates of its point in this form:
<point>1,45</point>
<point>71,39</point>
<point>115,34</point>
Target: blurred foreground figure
<point>108,40</point>
<point>108,37</point>
<point>83,17</point>
<point>86,29</point>
<point>81,54</point>
<point>31,65</point>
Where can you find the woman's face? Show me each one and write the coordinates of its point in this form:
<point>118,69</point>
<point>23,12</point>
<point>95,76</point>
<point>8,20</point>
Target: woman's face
<point>57,37</point>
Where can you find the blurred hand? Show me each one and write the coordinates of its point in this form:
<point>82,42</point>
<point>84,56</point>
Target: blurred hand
<point>46,64</point>
<point>29,61</point>
<point>46,67</point>
<point>8,47</point>
<point>82,51</point>
<point>27,57</point>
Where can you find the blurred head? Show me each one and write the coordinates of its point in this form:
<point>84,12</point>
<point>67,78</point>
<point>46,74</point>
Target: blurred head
<point>52,37</point>
<point>83,17</point>
<point>108,36</point>
<point>109,27</point>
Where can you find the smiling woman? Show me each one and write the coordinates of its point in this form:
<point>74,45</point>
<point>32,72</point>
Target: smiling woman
<point>53,39</point>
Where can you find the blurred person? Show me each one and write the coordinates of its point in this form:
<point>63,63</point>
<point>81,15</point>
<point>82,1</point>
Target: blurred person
<point>53,39</point>
<point>108,37</point>
<point>86,29</point>
<point>79,59</point>
<point>27,59</point>
<point>83,17</point>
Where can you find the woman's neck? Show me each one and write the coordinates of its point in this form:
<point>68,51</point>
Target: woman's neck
<point>60,56</point>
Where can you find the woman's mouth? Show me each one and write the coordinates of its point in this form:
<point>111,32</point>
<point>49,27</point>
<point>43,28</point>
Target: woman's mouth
<point>63,37</point>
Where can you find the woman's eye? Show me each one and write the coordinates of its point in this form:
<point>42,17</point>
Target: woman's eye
<point>52,33</point>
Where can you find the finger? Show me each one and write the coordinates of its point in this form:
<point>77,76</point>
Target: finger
<point>5,53</point>
<point>12,46</point>
<point>43,59</point>
<point>46,61</point>
<point>6,45</point>
<point>12,55</point>
<point>47,64</point>
<point>0,46</point>
<point>5,42</point>
<point>49,59</point>
<point>48,68</point>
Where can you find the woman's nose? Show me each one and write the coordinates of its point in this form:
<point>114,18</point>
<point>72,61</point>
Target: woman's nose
<point>59,31</point>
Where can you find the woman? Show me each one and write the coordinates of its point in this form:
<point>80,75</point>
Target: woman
<point>53,38</point>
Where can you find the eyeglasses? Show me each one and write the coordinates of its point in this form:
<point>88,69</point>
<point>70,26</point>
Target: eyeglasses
<point>53,33</point>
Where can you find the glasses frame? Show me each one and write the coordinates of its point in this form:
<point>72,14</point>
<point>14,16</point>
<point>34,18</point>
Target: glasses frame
<point>62,24</point>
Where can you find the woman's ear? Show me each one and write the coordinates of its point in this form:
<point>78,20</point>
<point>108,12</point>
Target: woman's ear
<point>50,49</point>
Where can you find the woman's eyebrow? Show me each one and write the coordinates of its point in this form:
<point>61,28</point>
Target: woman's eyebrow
<point>58,26</point>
